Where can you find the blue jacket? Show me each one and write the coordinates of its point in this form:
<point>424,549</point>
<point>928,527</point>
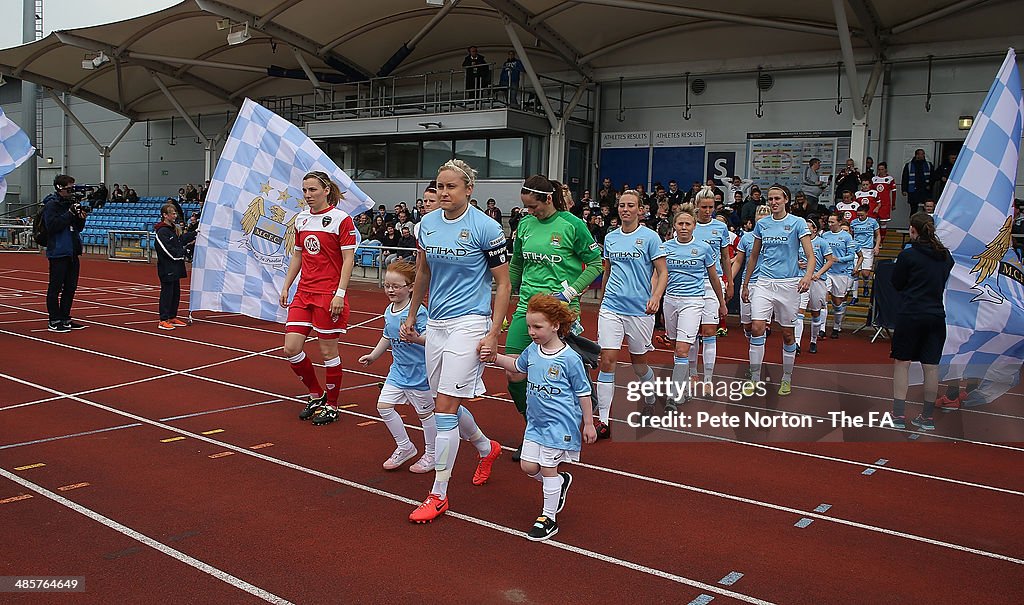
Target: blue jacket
<point>62,228</point>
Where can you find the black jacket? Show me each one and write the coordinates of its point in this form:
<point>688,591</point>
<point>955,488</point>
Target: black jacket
<point>920,276</point>
<point>62,227</point>
<point>170,252</point>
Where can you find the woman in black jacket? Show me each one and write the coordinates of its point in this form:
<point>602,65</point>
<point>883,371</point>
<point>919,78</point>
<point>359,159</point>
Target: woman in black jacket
<point>170,265</point>
<point>920,275</point>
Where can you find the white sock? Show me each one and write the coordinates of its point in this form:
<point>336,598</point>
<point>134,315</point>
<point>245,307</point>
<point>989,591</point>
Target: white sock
<point>816,326</point>
<point>823,318</point>
<point>605,393</point>
<point>837,321</point>
<point>693,356</point>
<point>394,423</point>
<point>680,376</point>
<point>447,450</point>
<point>756,356</point>
<point>710,353</point>
<point>429,424</point>
<point>644,374</point>
<point>552,489</point>
<point>788,360</point>
<point>798,327</point>
<point>469,431</point>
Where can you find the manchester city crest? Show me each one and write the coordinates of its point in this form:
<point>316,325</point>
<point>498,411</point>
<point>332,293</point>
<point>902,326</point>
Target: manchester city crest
<point>269,229</point>
<point>464,235</point>
<point>553,372</point>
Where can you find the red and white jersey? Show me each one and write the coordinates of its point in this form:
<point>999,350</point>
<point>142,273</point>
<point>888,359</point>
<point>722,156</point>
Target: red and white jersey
<point>320,237</point>
<point>886,188</point>
<point>869,197</point>
<point>847,210</point>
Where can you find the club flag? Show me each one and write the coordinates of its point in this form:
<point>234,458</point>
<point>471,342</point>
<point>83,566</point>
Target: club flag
<point>15,147</point>
<point>985,294</point>
<point>247,232</point>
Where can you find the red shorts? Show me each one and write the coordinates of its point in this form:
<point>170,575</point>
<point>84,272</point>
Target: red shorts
<point>310,311</point>
<point>884,211</point>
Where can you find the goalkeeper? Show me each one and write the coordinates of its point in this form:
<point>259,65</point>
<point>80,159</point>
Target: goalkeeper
<point>553,253</point>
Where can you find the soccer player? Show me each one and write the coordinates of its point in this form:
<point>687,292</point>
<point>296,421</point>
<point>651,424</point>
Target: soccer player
<point>461,250</point>
<point>867,195</point>
<point>847,207</point>
<point>429,205</point>
<point>407,377</point>
<point>716,235</point>
<point>815,299</point>
<point>866,237</point>
<point>325,243</point>
<point>553,253</point>
<point>691,269</point>
<point>885,185</point>
<point>559,414</point>
<point>840,274</point>
<point>780,283</point>
<point>739,262</point>
<point>635,275</point>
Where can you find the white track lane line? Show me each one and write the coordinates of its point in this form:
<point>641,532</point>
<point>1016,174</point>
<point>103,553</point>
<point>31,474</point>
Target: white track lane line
<point>206,568</point>
<point>391,496</point>
<point>700,490</point>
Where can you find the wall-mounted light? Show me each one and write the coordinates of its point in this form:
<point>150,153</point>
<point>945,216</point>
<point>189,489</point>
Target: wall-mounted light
<point>427,125</point>
<point>49,160</point>
<point>965,122</point>
<point>239,36</point>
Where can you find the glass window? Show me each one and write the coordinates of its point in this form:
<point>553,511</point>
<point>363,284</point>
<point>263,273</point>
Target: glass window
<point>534,155</point>
<point>505,160</point>
<point>403,160</point>
<point>344,155</point>
<point>474,153</point>
<point>370,160</point>
<point>435,153</point>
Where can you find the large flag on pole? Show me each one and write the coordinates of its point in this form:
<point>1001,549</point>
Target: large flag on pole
<point>15,148</point>
<point>985,293</point>
<point>246,232</point>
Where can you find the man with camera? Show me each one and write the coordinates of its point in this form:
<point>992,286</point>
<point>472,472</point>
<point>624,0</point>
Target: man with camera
<point>64,219</point>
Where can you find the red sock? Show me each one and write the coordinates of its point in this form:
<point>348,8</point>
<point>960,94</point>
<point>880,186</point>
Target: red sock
<point>303,368</point>
<point>333,379</point>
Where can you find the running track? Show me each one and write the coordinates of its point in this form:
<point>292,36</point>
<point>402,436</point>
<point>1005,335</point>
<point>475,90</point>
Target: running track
<point>170,466</point>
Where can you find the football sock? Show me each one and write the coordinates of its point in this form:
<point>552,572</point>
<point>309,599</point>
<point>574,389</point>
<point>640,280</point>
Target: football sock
<point>756,356</point>
<point>710,353</point>
<point>333,380</point>
<point>303,368</point>
<point>469,431</point>
<point>605,393</point>
<point>394,423</point>
<point>552,489</point>
<point>447,450</point>
<point>788,359</point>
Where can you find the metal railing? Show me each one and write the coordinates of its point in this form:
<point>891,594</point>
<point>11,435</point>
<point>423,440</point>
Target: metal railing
<point>373,256</point>
<point>130,246</point>
<point>16,237</point>
<point>431,92</point>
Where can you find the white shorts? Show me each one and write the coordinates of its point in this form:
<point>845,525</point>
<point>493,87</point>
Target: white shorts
<point>683,317</point>
<point>816,296</point>
<point>390,394</point>
<point>453,364</point>
<point>710,315</point>
<point>780,297</point>
<point>839,285</point>
<point>547,456</point>
<point>613,328</point>
<point>868,261</point>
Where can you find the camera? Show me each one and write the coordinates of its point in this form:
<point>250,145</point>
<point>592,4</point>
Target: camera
<point>80,192</point>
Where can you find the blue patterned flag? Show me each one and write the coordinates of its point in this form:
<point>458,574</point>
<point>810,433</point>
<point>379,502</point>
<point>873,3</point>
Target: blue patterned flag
<point>985,294</point>
<point>246,233</point>
<point>15,148</point>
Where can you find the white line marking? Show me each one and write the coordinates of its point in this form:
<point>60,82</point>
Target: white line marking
<point>206,568</point>
<point>110,314</point>
<point>378,492</point>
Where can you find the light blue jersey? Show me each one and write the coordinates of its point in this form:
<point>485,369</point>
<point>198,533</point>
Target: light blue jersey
<point>864,232</point>
<point>844,252</point>
<point>460,253</point>
<point>554,384</point>
<point>780,240</point>
<point>687,267</point>
<point>745,245</point>
<point>409,366</point>
<point>715,234</point>
<point>821,250</point>
<point>631,256</point>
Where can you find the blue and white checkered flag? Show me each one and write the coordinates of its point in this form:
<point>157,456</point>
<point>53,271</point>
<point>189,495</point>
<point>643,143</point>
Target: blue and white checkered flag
<point>246,232</point>
<point>985,293</point>
<point>15,146</point>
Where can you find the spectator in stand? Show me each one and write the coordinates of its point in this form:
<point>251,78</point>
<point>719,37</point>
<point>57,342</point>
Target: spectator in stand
<point>380,228</point>
<point>382,211</point>
<point>474,204</point>
<point>928,207</point>
<point>513,218</point>
<point>811,183</point>
<point>403,221</point>
<point>388,244</point>
<point>596,226</point>
<point>492,210</point>
<point>799,207</point>
<point>750,206</point>
<point>181,195</point>
<point>418,211</point>
<point>1018,228</point>
<point>945,170</point>
<point>587,201</point>
<point>477,73</point>
<point>99,196</point>
<point>917,180</point>
<point>675,195</point>
<point>586,214</point>
<point>117,195</point>
<point>406,240</point>
<point>641,189</point>
<point>848,179</point>
<point>734,184</point>
<point>606,194</point>
<point>869,168</point>
<point>204,191</point>
<point>613,224</point>
<point>191,193</point>
<point>695,188</point>
<point>365,227</point>
<point>131,197</point>
<point>511,70</point>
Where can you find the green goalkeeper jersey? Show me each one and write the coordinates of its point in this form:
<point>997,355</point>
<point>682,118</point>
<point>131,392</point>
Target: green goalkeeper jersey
<point>553,253</point>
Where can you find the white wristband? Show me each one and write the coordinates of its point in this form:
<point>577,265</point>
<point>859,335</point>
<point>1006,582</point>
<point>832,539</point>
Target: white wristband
<point>340,293</point>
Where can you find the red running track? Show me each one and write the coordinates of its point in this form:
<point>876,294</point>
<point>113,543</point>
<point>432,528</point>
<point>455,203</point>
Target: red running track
<point>265,507</point>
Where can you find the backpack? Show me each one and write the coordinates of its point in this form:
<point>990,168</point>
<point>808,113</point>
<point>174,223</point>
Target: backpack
<point>39,230</point>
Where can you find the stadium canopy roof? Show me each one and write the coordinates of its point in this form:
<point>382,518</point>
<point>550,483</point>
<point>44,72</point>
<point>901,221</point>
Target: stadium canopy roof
<point>181,54</point>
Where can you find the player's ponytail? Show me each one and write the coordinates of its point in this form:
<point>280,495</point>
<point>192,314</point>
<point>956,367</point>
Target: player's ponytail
<point>924,224</point>
<point>539,187</point>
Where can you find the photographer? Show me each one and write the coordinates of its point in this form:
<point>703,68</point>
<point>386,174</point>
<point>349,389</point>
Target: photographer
<point>64,218</point>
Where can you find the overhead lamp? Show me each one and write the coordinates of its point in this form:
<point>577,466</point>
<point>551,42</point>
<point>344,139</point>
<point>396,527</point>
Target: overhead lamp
<point>965,122</point>
<point>427,125</point>
<point>239,36</point>
<point>94,62</point>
